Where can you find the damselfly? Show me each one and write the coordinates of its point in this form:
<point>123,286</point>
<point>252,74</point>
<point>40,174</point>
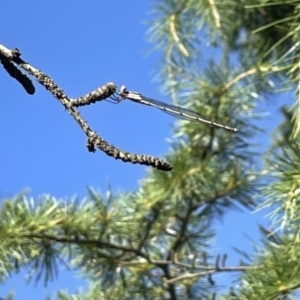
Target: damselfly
<point>173,110</point>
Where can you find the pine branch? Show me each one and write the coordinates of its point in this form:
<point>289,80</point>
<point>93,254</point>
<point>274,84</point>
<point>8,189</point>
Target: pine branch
<point>212,271</point>
<point>163,264</point>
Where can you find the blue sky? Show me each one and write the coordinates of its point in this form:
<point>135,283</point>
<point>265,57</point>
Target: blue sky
<point>82,45</point>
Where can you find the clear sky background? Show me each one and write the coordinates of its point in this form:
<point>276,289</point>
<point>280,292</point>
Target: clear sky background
<point>82,45</point>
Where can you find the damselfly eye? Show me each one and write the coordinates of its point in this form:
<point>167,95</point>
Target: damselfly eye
<point>123,89</point>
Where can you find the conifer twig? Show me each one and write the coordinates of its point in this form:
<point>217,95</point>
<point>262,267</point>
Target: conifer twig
<point>16,73</point>
<point>101,93</point>
<point>94,140</point>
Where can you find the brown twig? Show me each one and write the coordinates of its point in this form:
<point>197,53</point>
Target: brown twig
<point>17,74</point>
<point>101,93</point>
<point>93,138</point>
<point>162,264</point>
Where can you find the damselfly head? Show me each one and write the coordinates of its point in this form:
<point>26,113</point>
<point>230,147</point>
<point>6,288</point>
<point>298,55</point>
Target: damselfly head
<point>123,90</point>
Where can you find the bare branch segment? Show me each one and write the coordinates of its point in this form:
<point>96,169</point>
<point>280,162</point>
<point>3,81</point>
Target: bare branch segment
<point>93,138</point>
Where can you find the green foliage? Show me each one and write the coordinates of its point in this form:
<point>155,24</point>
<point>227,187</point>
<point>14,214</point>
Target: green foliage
<point>277,273</point>
<point>219,57</point>
<point>283,161</point>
